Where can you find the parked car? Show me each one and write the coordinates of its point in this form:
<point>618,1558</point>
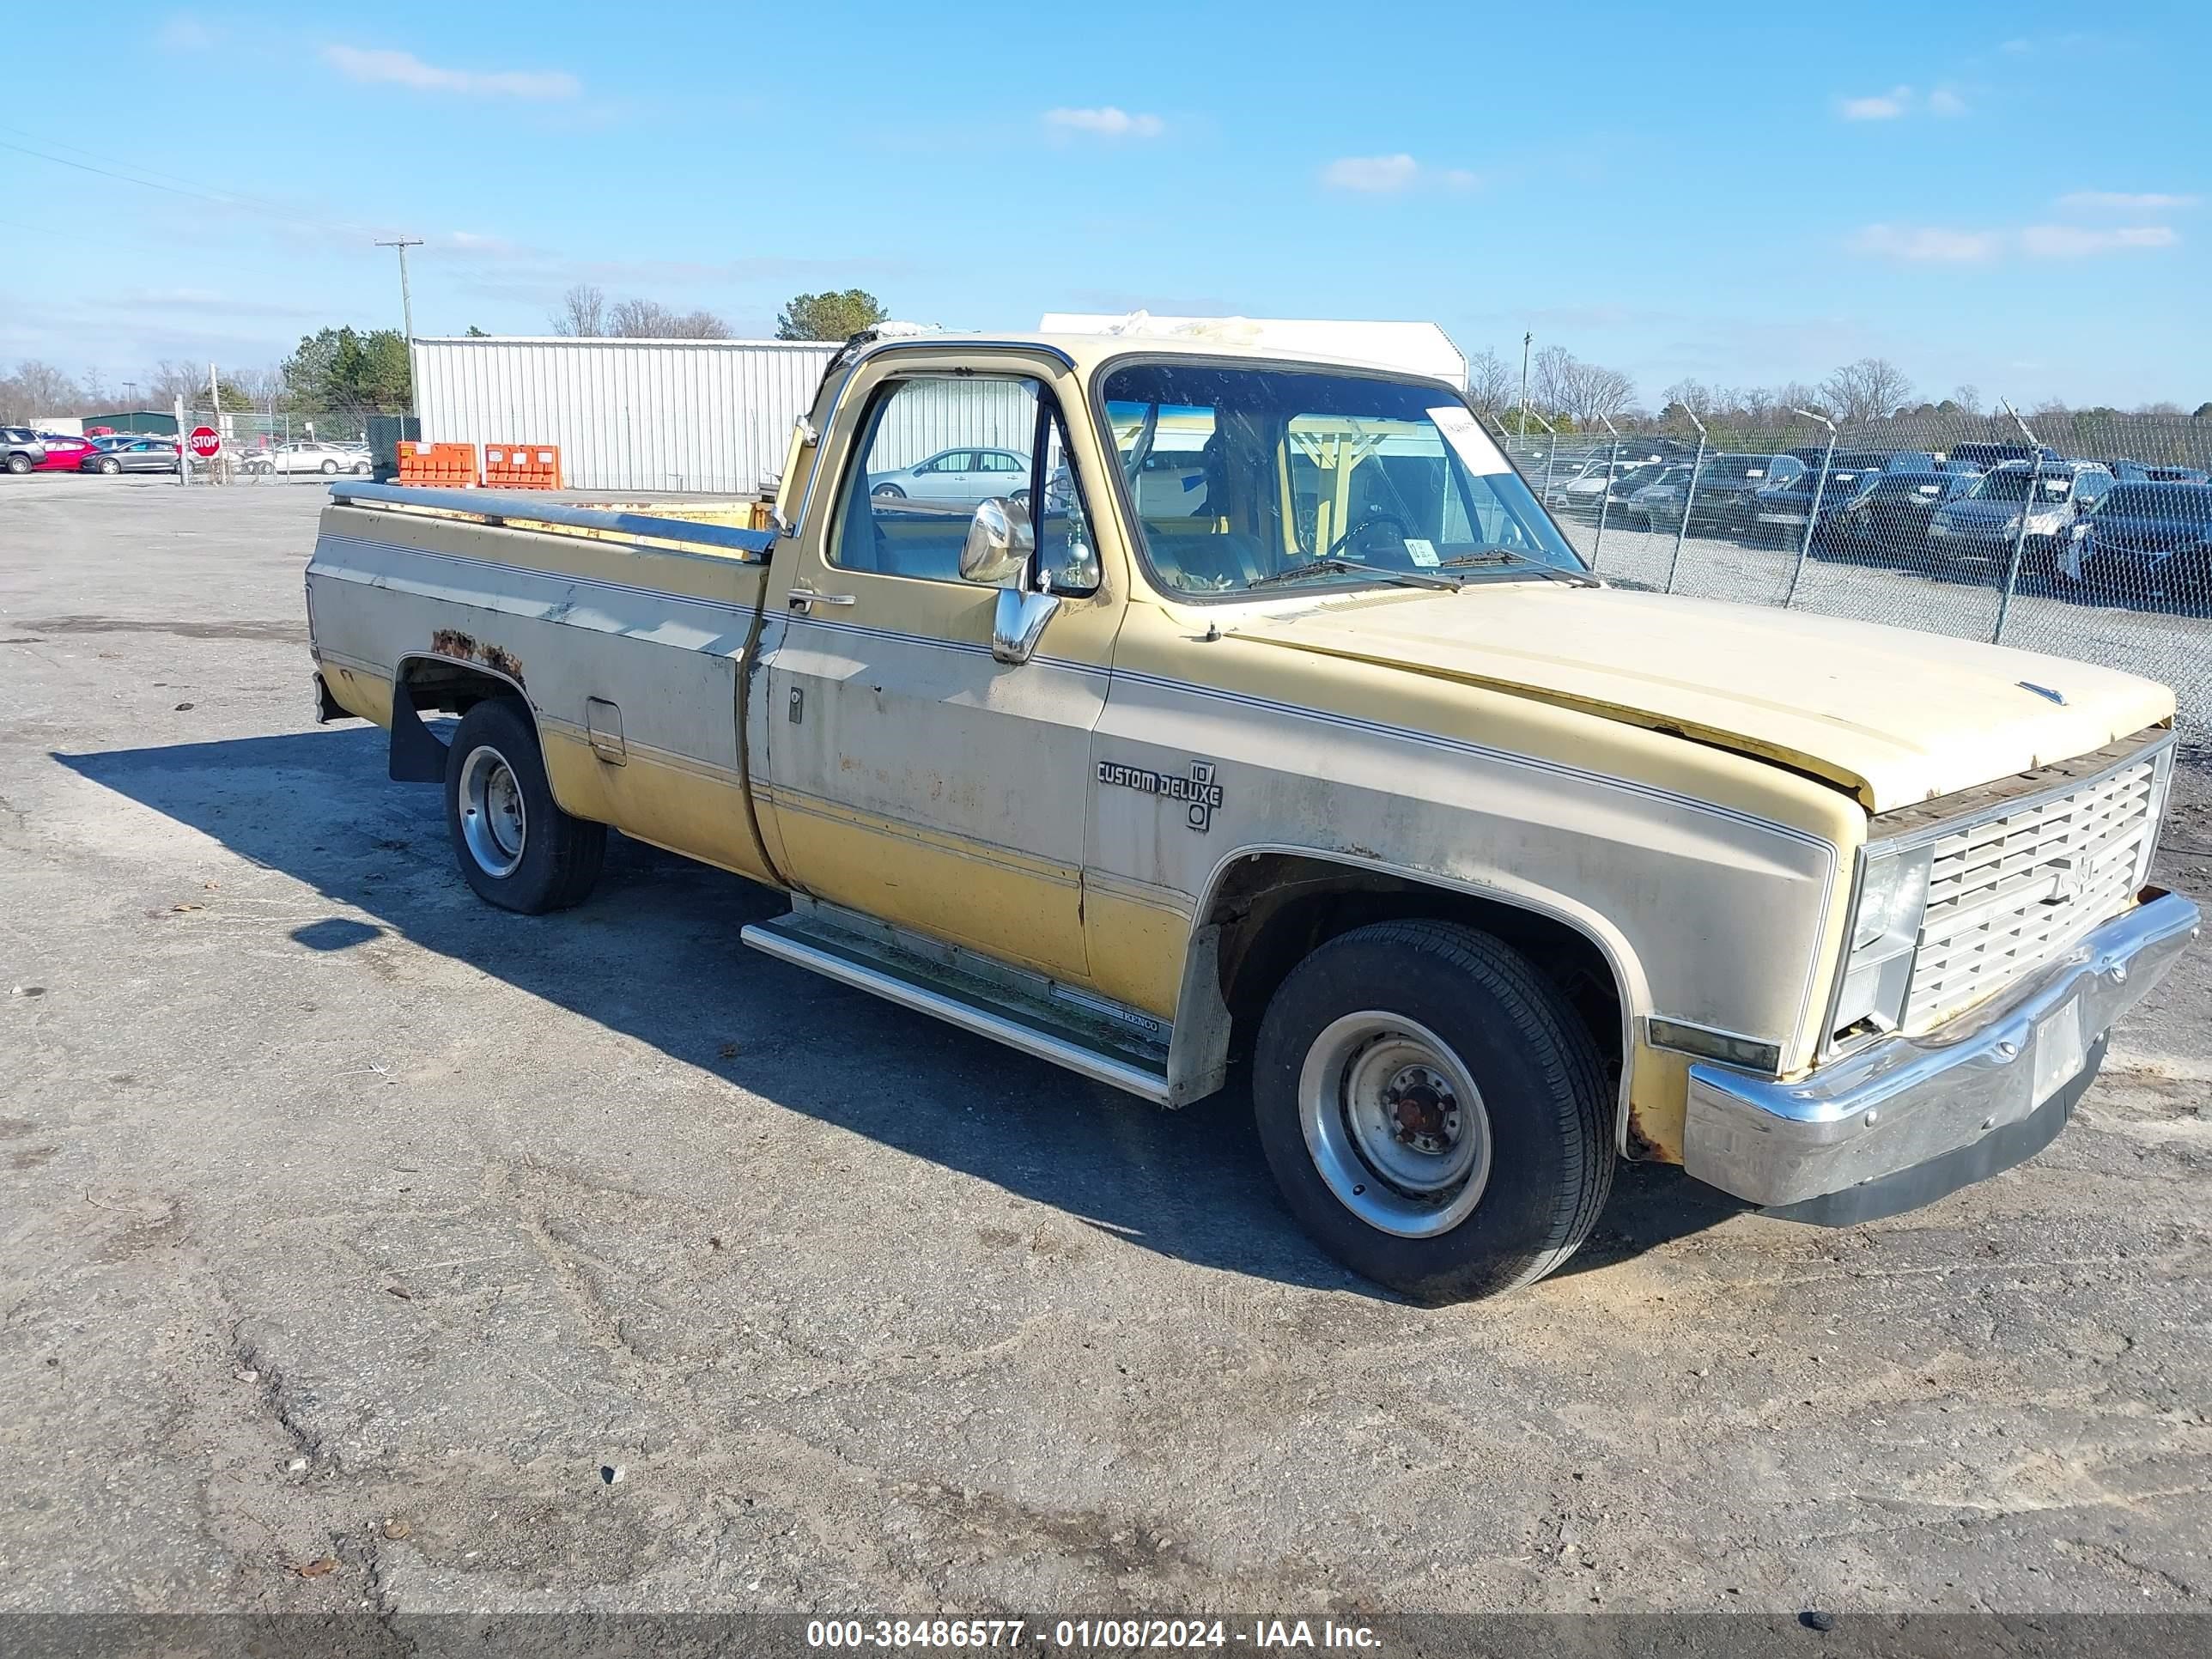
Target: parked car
<point>2147,472</point>
<point>132,455</point>
<point>1890,512</point>
<point>1587,491</point>
<point>1985,522</point>
<point>23,450</point>
<point>2146,541</point>
<point>1727,489</point>
<point>1782,508</point>
<point>1985,457</point>
<point>964,478</point>
<point>310,455</point>
<point>1627,481</point>
<point>64,451</point>
<point>1658,503</point>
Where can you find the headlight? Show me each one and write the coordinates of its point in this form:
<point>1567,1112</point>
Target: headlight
<point>1885,932</point>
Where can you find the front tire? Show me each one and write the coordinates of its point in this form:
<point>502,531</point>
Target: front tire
<point>888,492</point>
<point>1433,1110</point>
<point>330,469</point>
<point>110,468</point>
<point>516,847</point>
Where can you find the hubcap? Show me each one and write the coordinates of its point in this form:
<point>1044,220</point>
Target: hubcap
<point>492,820</point>
<point>1395,1124</point>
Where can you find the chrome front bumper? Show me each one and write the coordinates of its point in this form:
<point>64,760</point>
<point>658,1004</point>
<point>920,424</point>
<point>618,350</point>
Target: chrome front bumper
<point>1904,1122</point>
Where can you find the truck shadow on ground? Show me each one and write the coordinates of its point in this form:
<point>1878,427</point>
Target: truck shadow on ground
<point>656,954</point>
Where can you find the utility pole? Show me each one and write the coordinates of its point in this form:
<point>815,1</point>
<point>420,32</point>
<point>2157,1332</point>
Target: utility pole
<point>406,305</point>
<point>215,403</point>
<point>1525,338</point>
<point>130,391</point>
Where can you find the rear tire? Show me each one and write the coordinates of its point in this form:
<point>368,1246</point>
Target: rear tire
<point>1433,1111</point>
<point>516,847</point>
<point>19,464</point>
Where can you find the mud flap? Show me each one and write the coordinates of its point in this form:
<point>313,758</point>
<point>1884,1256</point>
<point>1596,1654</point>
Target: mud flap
<point>418,754</point>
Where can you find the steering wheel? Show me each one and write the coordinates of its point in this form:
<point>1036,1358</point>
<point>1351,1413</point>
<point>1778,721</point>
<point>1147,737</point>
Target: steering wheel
<point>1373,521</point>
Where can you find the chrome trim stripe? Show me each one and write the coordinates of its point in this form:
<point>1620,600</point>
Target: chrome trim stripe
<point>1099,1068</point>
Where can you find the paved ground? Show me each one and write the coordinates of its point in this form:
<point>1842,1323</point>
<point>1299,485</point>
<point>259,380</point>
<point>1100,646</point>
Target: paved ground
<point>361,1246</point>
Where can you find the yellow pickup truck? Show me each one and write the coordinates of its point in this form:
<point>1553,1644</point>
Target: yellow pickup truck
<point>1150,706</point>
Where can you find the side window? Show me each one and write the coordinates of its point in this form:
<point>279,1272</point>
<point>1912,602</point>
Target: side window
<point>934,447</point>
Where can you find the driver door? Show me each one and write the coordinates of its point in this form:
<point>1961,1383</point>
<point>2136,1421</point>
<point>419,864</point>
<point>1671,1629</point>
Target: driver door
<point>913,776</point>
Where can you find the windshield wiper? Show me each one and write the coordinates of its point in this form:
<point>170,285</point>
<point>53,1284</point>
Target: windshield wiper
<point>1335,567</point>
<point>1504,556</point>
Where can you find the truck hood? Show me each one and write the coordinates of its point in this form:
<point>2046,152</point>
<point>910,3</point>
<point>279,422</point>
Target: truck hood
<point>1893,715</point>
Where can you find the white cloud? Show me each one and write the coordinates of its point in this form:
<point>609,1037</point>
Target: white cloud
<point>1945,101</point>
<point>1391,175</point>
<point>1927,244</point>
<point>1882,107</point>
<point>1107,122</point>
<point>1942,245</point>
<point>381,66</point>
<point>184,32</point>
<point>2076,242</point>
<point>2124,201</point>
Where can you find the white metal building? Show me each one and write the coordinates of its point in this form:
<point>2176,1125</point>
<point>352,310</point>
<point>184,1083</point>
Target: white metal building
<point>705,415</point>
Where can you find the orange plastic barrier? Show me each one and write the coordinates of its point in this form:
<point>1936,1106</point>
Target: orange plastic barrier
<point>522,466</point>
<point>439,466</point>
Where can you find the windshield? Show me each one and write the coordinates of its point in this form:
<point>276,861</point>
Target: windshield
<point>2010,484</point>
<point>2189,504</point>
<point>1239,474</point>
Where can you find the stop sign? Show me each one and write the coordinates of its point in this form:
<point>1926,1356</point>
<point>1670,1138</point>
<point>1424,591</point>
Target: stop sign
<point>206,442</point>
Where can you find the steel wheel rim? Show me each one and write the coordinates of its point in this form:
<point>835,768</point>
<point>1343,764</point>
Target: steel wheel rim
<point>1395,1124</point>
<point>493,821</point>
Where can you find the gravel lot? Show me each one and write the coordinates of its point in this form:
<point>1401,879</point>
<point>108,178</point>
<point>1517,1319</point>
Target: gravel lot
<point>365,1247</point>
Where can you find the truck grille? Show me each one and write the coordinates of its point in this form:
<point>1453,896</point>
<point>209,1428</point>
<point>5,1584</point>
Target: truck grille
<point>2009,891</point>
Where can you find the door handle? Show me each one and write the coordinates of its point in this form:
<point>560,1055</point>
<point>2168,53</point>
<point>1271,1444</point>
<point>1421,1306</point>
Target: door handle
<point>803,597</point>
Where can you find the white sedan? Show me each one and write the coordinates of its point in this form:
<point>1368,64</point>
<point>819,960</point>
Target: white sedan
<point>310,455</point>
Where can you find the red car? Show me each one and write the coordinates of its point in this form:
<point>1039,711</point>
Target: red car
<point>63,453</point>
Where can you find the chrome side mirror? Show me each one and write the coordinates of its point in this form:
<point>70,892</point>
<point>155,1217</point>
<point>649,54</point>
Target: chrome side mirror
<point>996,547</point>
<point>1019,624</point>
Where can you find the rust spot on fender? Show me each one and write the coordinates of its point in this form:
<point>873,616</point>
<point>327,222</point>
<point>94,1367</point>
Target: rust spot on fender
<point>1643,1148</point>
<point>452,642</point>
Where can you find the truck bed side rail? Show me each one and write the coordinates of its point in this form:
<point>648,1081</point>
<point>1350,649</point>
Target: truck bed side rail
<point>479,507</point>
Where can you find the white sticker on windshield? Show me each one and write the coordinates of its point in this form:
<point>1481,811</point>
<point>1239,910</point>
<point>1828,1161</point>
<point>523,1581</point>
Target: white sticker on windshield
<point>1420,551</point>
<point>1465,434</point>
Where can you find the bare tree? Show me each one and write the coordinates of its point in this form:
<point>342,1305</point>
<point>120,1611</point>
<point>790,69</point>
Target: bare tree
<point>582,313</point>
<point>1968,396</point>
<point>38,388</point>
<point>648,320</point>
<point>1490,384</point>
<point>171,381</point>
<point>1865,391</point>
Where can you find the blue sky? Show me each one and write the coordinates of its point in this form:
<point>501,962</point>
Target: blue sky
<point>2016,196</point>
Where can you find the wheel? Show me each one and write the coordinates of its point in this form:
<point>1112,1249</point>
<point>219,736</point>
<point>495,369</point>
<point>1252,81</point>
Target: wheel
<point>516,847</point>
<point>19,464</point>
<point>330,469</point>
<point>361,468</point>
<point>1433,1111</point>
<point>888,492</point>
<point>111,466</point>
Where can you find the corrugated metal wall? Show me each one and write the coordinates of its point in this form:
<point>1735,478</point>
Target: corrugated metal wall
<point>938,413</point>
<point>708,415</point>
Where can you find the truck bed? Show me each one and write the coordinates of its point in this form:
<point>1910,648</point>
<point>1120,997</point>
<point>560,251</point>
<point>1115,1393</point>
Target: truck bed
<point>626,631</point>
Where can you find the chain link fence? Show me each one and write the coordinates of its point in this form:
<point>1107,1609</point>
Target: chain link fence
<point>2084,536</point>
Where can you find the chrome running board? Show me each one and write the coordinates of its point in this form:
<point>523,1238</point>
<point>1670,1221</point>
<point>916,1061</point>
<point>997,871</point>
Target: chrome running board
<point>1085,1033</point>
